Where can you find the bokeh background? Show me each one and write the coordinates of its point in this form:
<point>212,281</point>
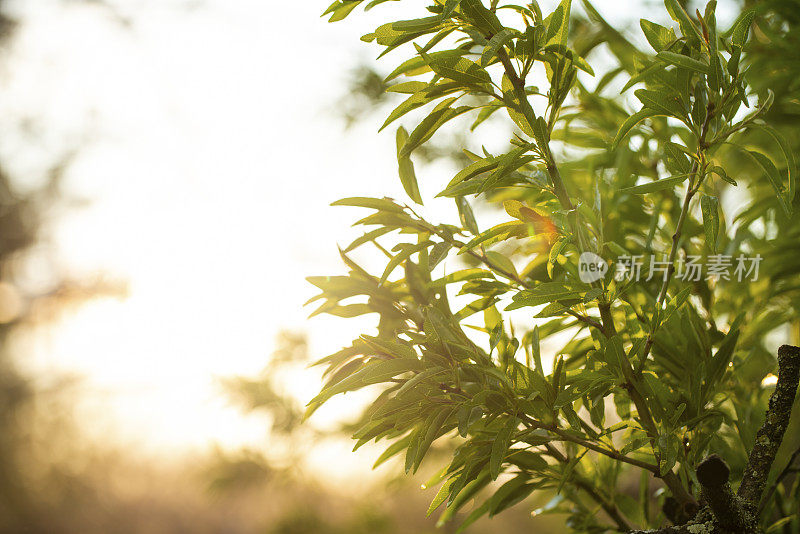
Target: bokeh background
<point>166,170</point>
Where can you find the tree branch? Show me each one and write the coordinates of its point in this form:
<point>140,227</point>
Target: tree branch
<point>714,477</point>
<point>608,506</point>
<point>770,435</point>
<point>688,505</point>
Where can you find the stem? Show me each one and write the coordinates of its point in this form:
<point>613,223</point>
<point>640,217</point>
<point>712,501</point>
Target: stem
<point>646,417</point>
<point>608,320</point>
<point>559,188</point>
<point>609,507</point>
<point>566,436</point>
<point>587,320</point>
<point>673,253</point>
<point>670,479</point>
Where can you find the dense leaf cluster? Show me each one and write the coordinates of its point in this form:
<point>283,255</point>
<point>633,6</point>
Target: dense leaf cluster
<point>610,375</point>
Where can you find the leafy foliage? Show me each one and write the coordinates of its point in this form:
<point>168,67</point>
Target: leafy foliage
<point>607,374</point>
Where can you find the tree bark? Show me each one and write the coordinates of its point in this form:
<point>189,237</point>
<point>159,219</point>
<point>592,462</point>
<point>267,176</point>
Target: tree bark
<point>770,435</point>
<point>723,511</point>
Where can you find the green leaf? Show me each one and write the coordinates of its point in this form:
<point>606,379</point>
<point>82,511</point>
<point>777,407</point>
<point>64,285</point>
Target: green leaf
<point>644,75</point>
<point>392,450</point>
<point>437,254</point>
<point>474,169</point>
<point>380,204</point>
<point>528,460</point>
<point>512,207</point>
<point>555,252</point>
<point>495,44</point>
<point>663,102</point>
<point>658,185</point>
<point>340,9</point>
<point>788,154</point>
<point>460,69</point>
<point>742,28</point>
<point>675,303</point>
<point>500,447</point>
<point>676,160</point>
<point>715,71</point>
<point>430,124</point>
<point>592,294</point>
<point>724,355</point>
<point>462,276</point>
<point>410,104</point>
<point>434,425</point>
<point>392,349</point>
<point>680,16</point>
<point>441,496</point>
<point>543,294</point>
<point>658,36</point>
<point>417,25</point>
<point>719,171</point>
<point>780,524</point>
<point>510,494</point>
<point>406,168</point>
<point>481,16</point>
<point>459,497</point>
<point>668,445</point>
<point>367,237</point>
<point>466,215</point>
<point>502,261</point>
<point>558,23</point>
<point>710,207</point>
<point>475,307</point>
<point>450,7</point>
<point>537,351</point>
<point>387,36</point>
<point>405,252</point>
<point>419,64</point>
<point>774,177</point>
<point>407,88</point>
<point>686,62</point>
<point>371,373</point>
<point>630,122</point>
<point>501,232</point>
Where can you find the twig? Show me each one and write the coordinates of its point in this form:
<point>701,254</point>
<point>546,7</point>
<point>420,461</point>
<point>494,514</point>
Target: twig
<point>566,436</point>
<point>587,320</point>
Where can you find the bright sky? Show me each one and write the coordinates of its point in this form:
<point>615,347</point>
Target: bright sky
<point>209,152</point>
<point>209,148</point>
